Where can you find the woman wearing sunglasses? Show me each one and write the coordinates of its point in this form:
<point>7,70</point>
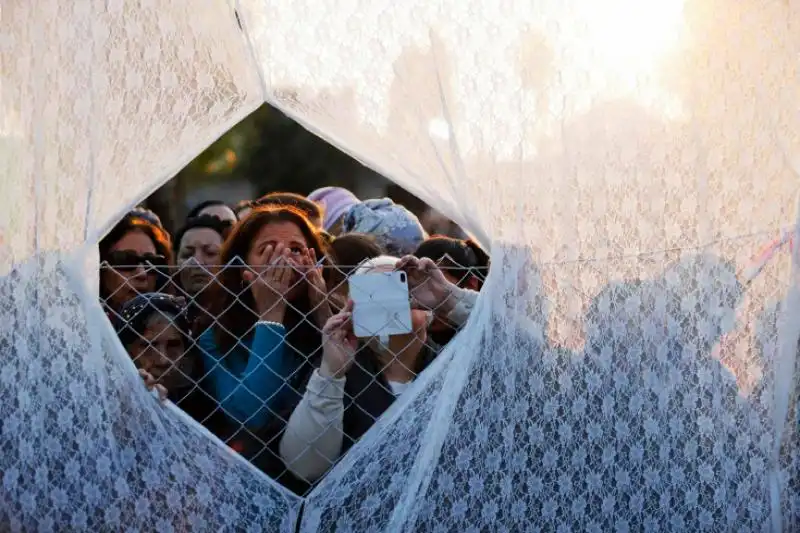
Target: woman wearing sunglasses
<point>133,259</point>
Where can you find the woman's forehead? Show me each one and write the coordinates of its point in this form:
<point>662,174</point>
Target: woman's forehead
<point>280,231</point>
<point>136,240</point>
<point>200,237</point>
<point>159,321</point>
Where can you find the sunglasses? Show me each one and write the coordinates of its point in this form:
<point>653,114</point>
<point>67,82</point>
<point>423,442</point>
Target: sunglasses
<point>129,260</point>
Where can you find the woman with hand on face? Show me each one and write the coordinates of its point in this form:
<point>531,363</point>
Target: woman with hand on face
<point>270,310</point>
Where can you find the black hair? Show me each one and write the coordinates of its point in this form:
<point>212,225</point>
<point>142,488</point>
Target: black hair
<point>133,221</point>
<point>465,254</point>
<point>347,253</point>
<point>352,249</point>
<point>195,211</point>
<point>223,227</point>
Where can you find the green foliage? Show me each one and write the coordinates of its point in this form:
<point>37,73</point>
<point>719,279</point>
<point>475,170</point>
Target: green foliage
<point>283,155</point>
<point>267,149</point>
<point>274,153</point>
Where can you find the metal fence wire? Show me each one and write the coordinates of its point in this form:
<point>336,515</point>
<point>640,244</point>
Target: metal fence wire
<point>197,333</point>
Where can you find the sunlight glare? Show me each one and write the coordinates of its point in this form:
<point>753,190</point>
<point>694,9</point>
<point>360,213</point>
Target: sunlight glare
<point>629,36</point>
<point>438,128</point>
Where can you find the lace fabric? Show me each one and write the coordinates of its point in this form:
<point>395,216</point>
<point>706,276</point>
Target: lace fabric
<point>86,448</point>
<point>622,162</point>
<point>101,103</point>
<point>636,431</point>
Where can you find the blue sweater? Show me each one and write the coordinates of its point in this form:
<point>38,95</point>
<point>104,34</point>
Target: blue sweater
<point>247,381</point>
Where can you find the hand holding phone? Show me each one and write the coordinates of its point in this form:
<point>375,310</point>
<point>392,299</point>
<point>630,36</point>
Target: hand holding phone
<point>381,305</point>
<point>430,289</point>
<point>339,344</point>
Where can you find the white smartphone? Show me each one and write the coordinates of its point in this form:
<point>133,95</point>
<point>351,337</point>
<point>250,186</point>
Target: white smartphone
<point>381,306</point>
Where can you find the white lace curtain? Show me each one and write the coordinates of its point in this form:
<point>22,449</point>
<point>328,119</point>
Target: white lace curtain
<point>623,160</point>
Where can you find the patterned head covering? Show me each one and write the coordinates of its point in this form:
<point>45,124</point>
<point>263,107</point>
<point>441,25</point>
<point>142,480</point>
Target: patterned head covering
<point>131,321</point>
<point>395,228</point>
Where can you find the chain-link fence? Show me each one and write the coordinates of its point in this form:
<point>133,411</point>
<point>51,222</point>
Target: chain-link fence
<point>249,356</point>
<point>244,355</point>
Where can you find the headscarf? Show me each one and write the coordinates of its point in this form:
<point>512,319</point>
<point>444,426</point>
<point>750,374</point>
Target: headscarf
<point>395,228</point>
<point>335,201</point>
<point>131,321</point>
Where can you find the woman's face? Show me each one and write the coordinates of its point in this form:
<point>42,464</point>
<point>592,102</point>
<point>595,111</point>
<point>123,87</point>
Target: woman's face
<point>290,236</point>
<point>160,351</point>
<point>125,281</point>
<point>198,258</point>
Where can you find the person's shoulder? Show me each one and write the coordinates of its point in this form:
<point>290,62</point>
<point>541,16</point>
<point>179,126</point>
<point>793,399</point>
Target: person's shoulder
<point>207,341</point>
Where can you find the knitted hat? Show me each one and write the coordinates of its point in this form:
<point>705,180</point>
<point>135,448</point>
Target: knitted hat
<point>395,228</point>
<point>336,202</point>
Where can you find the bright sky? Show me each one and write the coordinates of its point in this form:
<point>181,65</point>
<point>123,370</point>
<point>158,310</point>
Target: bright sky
<point>602,50</point>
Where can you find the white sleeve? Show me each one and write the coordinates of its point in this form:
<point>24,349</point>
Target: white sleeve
<point>465,301</point>
<point>313,437</point>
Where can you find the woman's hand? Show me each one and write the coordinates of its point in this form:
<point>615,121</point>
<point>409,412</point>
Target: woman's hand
<point>271,282</point>
<point>151,384</point>
<point>427,285</point>
<point>339,344</point>
<point>317,288</point>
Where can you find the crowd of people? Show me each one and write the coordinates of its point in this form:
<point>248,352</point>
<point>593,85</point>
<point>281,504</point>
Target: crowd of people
<point>243,318</point>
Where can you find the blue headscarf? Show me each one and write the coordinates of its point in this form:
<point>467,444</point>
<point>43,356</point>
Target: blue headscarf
<point>393,226</point>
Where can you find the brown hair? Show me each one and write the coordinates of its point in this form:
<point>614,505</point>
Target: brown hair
<point>130,223</point>
<point>309,208</point>
<point>233,306</point>
<point>348,252</point>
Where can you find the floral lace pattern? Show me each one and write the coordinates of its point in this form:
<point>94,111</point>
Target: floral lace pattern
<point>642,430</point>
<point>101,107</point>
<point>86,448</point>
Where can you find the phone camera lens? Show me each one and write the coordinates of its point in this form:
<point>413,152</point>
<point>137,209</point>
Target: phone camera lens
<point>403,277</point>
